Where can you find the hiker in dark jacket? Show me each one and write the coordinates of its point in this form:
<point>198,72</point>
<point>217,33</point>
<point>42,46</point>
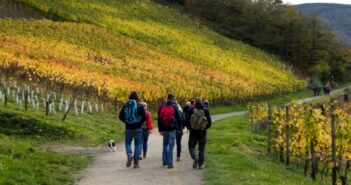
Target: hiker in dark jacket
<point>206,105</point>
<point>169,121</point>
<point>187,108</point>
<point>198,121</point>
<point>179,133</point>
<point>133,115</point>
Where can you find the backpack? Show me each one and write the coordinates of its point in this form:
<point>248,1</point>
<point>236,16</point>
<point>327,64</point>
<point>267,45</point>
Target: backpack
<point>166,115</point>
<point>198,120</point>
<point>131,112</point>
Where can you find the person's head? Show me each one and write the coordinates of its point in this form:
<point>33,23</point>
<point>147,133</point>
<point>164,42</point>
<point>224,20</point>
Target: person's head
<point>192,103</point>
<point>134,96</point>
<point>187,103</point>
<point>198,102</point>
<point>170,97</point>
<point>144,104</point>
<point>206,104</point>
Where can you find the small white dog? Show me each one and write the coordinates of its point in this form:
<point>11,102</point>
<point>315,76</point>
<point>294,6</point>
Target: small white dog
<point>112,145</point>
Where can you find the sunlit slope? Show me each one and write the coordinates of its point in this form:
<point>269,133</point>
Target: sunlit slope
<point>143,46</point>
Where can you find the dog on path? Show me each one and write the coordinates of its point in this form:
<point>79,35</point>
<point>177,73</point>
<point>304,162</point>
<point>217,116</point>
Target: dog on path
<point>112,146</point>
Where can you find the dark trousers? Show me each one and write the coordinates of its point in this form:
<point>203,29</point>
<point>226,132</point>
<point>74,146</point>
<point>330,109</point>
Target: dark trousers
<point>144,140</point>
<point>179,136</point>
<point>194,139</point>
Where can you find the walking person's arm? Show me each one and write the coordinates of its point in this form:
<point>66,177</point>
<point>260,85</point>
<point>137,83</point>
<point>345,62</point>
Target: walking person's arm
<point>178,117</point>
<point>121,115</point>
<point>187,118</point>
<point>149,121</point>
<point>209,119</point>
<point>142,114</point>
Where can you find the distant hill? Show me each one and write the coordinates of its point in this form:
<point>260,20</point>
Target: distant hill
<point>335,16</point>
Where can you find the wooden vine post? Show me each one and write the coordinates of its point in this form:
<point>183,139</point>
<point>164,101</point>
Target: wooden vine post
<point>287,142</point>
<point>74,99</point>
<point>333,142</point>
<point>25,100</point>
<point>269,144</point>
<point>47,104</point>
<point>5,96</point>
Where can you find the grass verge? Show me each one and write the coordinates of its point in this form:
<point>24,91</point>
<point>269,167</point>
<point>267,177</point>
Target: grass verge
<point>22,132</point>
<point>235,155</point>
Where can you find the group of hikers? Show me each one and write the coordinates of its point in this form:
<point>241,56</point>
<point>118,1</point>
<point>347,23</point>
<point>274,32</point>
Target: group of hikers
<point>172,120</point>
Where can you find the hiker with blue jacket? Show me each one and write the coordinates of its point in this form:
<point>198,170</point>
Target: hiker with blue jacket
<point>133,115</point>
<point>169,121</point>
<point>198,120</point>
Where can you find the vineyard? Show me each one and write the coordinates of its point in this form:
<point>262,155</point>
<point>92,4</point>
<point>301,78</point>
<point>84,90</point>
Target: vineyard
<point>153,50</point>
<point>315,136</point>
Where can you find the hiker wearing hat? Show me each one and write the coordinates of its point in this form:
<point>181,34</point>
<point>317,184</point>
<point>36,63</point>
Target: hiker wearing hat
<point>133,115</point>
<point>169,121</point>
<point>198,121</point>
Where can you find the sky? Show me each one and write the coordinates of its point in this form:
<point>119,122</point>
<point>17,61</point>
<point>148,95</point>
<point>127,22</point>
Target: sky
<point>317,1</point>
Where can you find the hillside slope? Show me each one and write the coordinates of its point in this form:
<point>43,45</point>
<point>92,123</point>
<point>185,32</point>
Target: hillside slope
<point>335,16</point>
<point>139,45</point>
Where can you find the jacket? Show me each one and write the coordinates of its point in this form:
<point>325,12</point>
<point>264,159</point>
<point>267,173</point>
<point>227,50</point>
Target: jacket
<point>177,118</point>
<point>148,125</point>
<point>141,114</point>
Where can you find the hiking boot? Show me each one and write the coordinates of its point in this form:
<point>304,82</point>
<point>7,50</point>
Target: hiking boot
<point>170,166</point>
<point>140,158</point>
<point>201,166</point>
<point>129,161</point>
<point>178,159</point>
<point>136,164</point>
<point>164,163</point>
<point>196,162</point>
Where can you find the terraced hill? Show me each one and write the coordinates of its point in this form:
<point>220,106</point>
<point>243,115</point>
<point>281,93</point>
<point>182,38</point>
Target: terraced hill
<point>119,46</point>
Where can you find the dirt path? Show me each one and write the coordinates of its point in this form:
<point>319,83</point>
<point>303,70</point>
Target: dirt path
<point>109,167</point>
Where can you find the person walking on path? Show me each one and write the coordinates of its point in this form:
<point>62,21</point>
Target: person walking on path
<point>206,105</point>
<point>133,115</point>
<point>147,129</point>
<point>198,121</point>
<point>179,133</point>
<point>187,108</point>
<point>169,121</point>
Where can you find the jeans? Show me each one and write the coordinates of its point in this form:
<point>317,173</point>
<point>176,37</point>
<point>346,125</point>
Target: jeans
<point>195,138</point>
<point>179,136</point>
<point>144,140</point>
<point>168,146</point>
<point>129,136</point>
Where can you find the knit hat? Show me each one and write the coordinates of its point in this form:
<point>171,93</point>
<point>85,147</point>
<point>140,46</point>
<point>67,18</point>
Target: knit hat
<point>134,96</point>
<point>170,96</point>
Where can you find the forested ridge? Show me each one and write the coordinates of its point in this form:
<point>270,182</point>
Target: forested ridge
<point>303,42</point>
<point>334,16</point>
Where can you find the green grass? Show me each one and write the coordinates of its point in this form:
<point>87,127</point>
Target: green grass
<point>22,161</point>
<point>235,155</point>
<point>88,129</point>
<point>22,164</point>
<point>276,100</point>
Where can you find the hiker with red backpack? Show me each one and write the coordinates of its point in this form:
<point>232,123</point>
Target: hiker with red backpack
<point>169,121</point>
<point>198,120</point>
<point>133,115</point>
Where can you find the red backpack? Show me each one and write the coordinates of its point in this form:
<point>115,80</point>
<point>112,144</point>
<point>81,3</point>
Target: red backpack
<point>166,115</point>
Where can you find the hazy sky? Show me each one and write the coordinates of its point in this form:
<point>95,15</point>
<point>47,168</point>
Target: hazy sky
<point>317,1</point>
